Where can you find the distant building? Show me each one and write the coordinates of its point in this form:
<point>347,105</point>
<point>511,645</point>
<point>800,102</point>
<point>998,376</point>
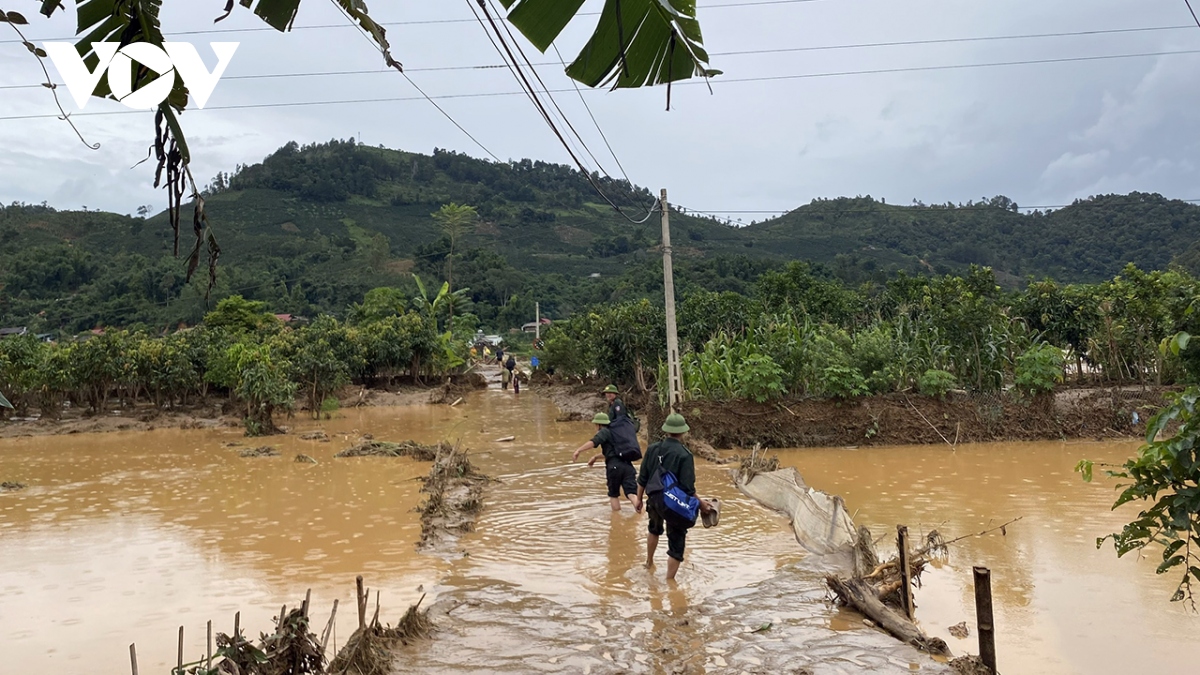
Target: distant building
<point>531,327</point>
<point>13,332</point>
<point>291,318</point>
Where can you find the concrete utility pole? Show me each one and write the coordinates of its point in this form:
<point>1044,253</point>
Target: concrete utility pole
<point>537,319</point>
<point>673,375</point>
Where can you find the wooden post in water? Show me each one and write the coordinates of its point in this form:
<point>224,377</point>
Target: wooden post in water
<point>282,612</point>
<point>180,669</point>
<point>237,624</point>
<point>307,599</point>
<point>329,627</point>
<point>362,604</point>
<point>133,658</point>
<point>983,617</point>
<point>209,662</point>
<point>906,589</point>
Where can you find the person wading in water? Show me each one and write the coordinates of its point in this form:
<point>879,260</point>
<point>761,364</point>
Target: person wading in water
<point>620,472</point>
<point>667,455</point>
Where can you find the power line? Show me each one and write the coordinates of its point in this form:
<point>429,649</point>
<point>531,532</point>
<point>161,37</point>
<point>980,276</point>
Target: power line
<point>748,52</point>
<point>506,53</point>
<point>879,71</point>
<point>416,22</point>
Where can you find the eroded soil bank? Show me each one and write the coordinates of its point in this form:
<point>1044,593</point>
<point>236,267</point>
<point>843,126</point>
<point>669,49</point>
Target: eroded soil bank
<point>220,413</point>
<point>894,419</point>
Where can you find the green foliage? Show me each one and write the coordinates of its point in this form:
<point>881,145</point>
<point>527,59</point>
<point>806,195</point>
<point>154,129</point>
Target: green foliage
<point>1038,369</point>
<point>1164,477</point>
<point>936,383</point>
<point>727,368</point>
<point>236,314</point>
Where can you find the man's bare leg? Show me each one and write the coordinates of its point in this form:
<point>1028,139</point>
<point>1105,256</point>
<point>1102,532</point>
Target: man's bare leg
<point>651,546</point>
<point>672,568</point>
<point>615,502</point>
<point>632,500</point>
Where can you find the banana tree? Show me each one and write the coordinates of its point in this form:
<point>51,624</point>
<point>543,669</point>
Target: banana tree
<point>4,402</point>
<point>431,306</point>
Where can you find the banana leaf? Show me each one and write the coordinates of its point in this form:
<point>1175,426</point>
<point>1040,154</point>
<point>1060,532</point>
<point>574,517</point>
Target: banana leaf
<point>4,402</point>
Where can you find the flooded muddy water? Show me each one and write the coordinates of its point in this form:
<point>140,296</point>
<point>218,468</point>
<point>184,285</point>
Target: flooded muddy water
<point>122,537</point>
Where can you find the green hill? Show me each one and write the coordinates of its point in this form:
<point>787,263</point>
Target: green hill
<point>311,229</point>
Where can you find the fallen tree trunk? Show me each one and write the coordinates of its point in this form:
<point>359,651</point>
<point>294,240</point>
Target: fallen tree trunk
<point>861,595</point>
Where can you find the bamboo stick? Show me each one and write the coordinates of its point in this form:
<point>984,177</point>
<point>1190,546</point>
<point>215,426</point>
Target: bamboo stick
<point>133,658</point>
<point>180,670</point>
<point>209,662</point>
<point>307,599</point>
<point>328,627</point>
<point>983,617</point>
<point>362,605</point>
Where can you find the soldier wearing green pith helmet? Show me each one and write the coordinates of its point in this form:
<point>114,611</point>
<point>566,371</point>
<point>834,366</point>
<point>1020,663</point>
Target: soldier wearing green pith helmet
<point>620,472</point>
<point>671,455</point>
<point>616,407</point>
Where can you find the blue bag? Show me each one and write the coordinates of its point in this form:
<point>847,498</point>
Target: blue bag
<point>678,507</point>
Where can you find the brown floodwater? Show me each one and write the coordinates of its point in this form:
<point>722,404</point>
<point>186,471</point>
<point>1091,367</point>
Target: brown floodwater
<point>123,537</point>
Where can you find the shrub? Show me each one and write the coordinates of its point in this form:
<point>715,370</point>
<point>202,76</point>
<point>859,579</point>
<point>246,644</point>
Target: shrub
<point>1038,369</point>
<point>936,383</point>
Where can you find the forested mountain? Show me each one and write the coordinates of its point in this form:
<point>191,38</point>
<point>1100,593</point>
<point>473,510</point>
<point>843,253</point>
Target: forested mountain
<point>311,229</point>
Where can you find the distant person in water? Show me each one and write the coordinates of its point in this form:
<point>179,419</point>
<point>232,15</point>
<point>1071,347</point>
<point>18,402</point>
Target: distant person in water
<point>505,378</point>
<point>499,355</point>
<point>516,375</point>
<point>620,473</point>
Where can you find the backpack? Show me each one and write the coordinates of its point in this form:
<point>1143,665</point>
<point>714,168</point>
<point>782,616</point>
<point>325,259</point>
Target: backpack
<point>676,506</point>
<point>624,439</point>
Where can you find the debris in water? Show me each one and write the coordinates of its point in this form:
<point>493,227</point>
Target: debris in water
<point>763,628</point>
<point>758,462</point>
<point>455,492</point>
<point>232,444</point>
<point>368,651</point>
<point>960,630</point>
<point>261,451</point>
<point>706,451</point>
<point>506,439</point>
<point>303,459</point>
<point>318,435</point>
<point>11,486</point>
<point>366,447</point>
<point>970,665</point>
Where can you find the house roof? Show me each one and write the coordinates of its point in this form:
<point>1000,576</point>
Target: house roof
<point>17,330</point>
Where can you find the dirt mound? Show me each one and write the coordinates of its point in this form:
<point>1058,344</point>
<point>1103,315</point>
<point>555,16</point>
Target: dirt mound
<point>702,449</point>
<point>11,486</point>
<point>455,498</point>
<point>574,401</point>
<point>261,451</point>
<point>367,447</point>
<point>900,419</point>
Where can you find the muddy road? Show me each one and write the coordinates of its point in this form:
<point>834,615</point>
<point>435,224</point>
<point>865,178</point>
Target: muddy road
<point>122,537</point>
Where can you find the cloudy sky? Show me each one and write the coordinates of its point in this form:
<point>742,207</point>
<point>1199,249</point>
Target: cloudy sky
<point>844,116</point>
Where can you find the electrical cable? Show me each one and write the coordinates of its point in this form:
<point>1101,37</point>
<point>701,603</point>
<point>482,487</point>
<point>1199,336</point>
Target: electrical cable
<point>415,22</point>
<point>749,52</point>
<point>414,85</point>
<point>881,71</point>
<point>527,86</point>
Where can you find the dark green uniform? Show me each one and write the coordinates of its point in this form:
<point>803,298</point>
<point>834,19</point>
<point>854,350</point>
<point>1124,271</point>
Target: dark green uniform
<point>619,473</point>
<point>617,409</point>
<point>673,456</point>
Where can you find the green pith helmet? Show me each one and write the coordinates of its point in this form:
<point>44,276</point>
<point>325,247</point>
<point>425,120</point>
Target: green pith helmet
<point>601,418</point>
<point>675,424</point>
<point>610,389</point>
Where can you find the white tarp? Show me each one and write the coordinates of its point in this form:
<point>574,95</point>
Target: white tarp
<point>819,520</point>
